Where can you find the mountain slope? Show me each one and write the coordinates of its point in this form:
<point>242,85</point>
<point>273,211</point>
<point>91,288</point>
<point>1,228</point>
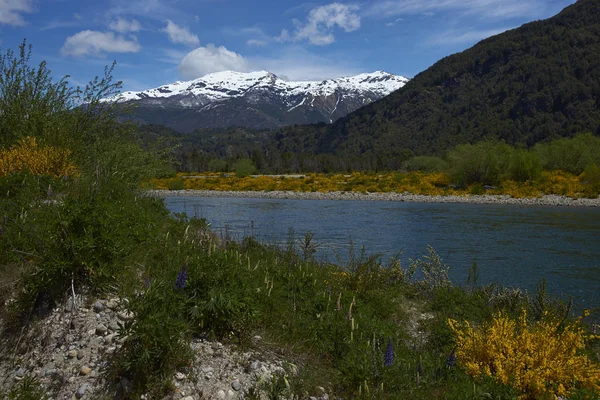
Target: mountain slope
<point>256,100</point>
<point>530,84</point>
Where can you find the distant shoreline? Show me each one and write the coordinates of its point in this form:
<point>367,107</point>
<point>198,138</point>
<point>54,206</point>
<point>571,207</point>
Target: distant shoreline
<point>546,200</point>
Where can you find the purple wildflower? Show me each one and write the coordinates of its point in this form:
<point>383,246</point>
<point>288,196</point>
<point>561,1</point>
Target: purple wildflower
<point>388,360</point>
<point>181,277</point>
<point>420,368</point>
<point>147,282</point>
<point>451,360</point>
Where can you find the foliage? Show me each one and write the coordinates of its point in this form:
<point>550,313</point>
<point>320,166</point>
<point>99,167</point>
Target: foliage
<point>244,167</point>
<point>217,165</point>
<point>28,388</point>
<point>27,155</point>
<point>539,360</point>
<point>156,343</point>
<point>570,154</point>
<point>426,164</point>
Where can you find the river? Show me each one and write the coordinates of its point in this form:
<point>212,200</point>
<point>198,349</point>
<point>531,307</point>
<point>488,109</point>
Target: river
<point>515,246</point>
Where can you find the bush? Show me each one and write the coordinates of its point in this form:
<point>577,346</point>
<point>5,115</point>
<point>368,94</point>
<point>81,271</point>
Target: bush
<point>539,360</point>
<point>176,184</point>
<point>244,167</point>
<point>524,166</point>
<point>485,163</point>
<point>570,155</point>
<point>217,165</point>
<point>425,164</point>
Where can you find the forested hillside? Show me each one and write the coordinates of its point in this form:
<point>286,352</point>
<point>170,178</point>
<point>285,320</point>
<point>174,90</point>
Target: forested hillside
<point>531,84</point>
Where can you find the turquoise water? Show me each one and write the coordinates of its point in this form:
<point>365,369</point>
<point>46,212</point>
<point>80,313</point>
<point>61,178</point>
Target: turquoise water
<point>512,245</point>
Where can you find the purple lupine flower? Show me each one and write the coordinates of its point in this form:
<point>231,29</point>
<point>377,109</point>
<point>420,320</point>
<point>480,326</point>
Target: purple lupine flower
<point>181,277</point>
<point>451,360</point>
<point>147,282</point>
<point>388,360</point>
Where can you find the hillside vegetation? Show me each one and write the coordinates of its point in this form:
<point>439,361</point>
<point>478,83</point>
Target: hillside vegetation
<point>528,85</point>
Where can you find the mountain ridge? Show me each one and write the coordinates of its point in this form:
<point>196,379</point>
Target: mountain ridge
<point>256,100</point>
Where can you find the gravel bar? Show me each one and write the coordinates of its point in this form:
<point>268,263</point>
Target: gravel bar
<point>546,200</point>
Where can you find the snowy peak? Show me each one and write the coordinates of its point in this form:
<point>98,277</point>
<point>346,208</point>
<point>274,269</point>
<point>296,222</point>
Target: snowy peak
<point>229,84</point>
<point>257,99</point>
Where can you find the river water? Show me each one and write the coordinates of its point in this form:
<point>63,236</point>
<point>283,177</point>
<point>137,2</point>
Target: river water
<point>513,245</point>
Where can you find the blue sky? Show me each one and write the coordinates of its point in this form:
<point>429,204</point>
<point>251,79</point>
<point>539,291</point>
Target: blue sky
<point>160,41</point>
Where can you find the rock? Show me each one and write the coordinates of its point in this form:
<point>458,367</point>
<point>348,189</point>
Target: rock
<point>125,315</point>
<point>257,338</point>
<point>98,307</point>
<point>114,326</point>
<point>236,385</point>
<point>180,376</point>
<point>72,353</point>
<point>82,390</point>
<point>221,394</point>
<point>101,329</point>
<point>85,370</point>
<point>71,305</point>
<point>207,370</point>
<point>254,365</point>
<point>20,374</point>
<point>112,304</point>
<point>188,398</point>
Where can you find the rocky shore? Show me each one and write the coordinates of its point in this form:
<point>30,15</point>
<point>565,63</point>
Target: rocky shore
<point>546,200</point>
<point>68,352</point>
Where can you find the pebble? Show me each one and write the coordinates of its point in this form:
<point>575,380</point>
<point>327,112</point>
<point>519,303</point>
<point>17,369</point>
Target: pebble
<point>20,373</point>
<point>85,370</point>
<point>125,315</point>
<point>73,353</point>
<point>101,329</point>
<point>98,307</point>
<point>236,385</point>
<point>112,304</point>
<point>180,376</point>
<point>188,398</point>
<point>82,389</point>
<point>221,394</point>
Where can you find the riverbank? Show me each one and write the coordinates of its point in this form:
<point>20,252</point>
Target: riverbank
<point>546,200</point>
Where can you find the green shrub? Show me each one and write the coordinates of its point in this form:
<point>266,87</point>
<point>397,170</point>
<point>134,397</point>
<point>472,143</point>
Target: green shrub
<point>570,155</point>
<point>425,164</point>
<point>217,165</point>
<point>524,166</point>
<point>176,184</point>
<point>485,163</point>
<point>244,167</point>
<point>156,342</point>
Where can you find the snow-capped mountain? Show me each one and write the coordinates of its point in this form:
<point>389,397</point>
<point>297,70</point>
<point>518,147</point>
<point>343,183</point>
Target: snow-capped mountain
<point>256,100</point>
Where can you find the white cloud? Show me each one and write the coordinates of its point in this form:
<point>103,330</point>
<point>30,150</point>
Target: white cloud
<point>122,25</point>
<point>256,42</point>
<point>11,10</point>
<point>178,34</point>
<point>458,37</point>
<point>320,23</point>
<point>94,43</point>
<point>486,8</point>
<point>204,60</point>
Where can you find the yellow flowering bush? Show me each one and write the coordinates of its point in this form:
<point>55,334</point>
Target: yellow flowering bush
<point>27,155</point>
<point>432,184</point>
<point>543,360</point>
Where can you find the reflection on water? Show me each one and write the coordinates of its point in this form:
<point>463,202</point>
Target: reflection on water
<point>512,245</point>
